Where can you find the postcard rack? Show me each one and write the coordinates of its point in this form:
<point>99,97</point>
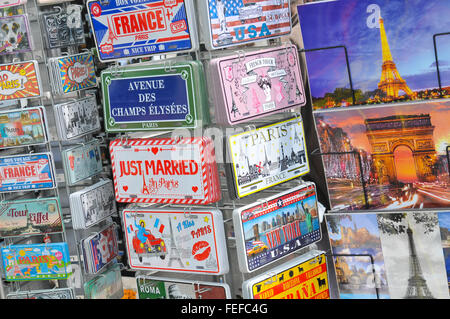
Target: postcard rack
<point>30,10</point>
<point>347,62</point>
<point>372,263</point>
<point>438,71</point>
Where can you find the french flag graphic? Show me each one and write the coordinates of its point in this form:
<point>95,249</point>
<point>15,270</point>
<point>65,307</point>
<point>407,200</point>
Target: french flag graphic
<point>157,224</point>
<point>130,229</point>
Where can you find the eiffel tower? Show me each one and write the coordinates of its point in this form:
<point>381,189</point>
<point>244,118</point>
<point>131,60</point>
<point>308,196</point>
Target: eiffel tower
<point>391,82</point>
<point>417,285</point>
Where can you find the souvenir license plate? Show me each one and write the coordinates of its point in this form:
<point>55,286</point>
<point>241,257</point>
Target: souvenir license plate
<point>283,224</point>
<point>30,217</point>
<point>234,22</point>
<point>303,278</point>
<point>180,171</point>
<point>123,30</point>
<point>150,98</point>
<point>268,156</point>
<point>36,261</point>
<point>19,81</point>
<point>23,127</point>
<point>27,172</point>
<point>176,241</point>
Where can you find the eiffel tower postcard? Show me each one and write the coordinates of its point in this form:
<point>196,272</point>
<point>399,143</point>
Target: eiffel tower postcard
<point>404,248</point>
<point>390,48</point>
<point>413,255</point>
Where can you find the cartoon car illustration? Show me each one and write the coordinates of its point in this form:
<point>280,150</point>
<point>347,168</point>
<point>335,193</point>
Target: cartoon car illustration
<point>153,247</point>
<point>250,11</point>
<point>255,247</point>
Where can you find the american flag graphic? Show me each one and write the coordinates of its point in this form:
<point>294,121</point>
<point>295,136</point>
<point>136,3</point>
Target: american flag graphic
<point>243,13</point>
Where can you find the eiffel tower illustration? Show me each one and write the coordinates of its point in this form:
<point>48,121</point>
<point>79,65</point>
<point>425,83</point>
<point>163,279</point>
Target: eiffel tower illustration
<point>391,82</point>
<point>417,285</point>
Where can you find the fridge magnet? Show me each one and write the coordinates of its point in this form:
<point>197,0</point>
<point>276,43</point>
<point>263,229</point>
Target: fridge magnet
<point>72,73</point>
<point>124,30</point>
<point>63,26</point>
<point>267,156</point>
<point>92,204</point>
<point>11,3</point>
<point>149,287</point>
<point>390,156</point>
<point>305,277</point>
<point>154,97</point>
<point>234,22</point>
<point>77,118</point>
<point>99,249</point>
<point>81,162</point>
<point>14,35</point>
<point>107,285</point>
<point>30,217</point>
<point>19,81</point>
<point>378,52</point>
<point>27,172</point>
<point>36,261</point>
<point>257,84</point>
<point>273,228</point>
<point>165,170</point>
<point>23,127</point>
<point>184,241</point>
<point>56,293</point>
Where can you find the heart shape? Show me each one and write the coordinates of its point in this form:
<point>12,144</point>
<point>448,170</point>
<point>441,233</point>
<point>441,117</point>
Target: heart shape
<point>125,188</point>
<point>194,189</point>
<point>154,150</point>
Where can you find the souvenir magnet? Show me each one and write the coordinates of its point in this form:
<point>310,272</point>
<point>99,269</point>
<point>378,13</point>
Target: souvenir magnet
<point>92,204</point>
<point>81,162</point>
<point>186,241</point>
<point>276,227</point>
<point>73,73</point>
<point>77,118</point>
<point>11,3</point>
<point>63,26</point>
<point>30,217</point>
<point>56,293</point>
<point>267,156</point>
<point>27,172</point>
<point>23,127</point>
<point>107,285</point>
<point>149,287</point>
<point>36,261</point>
<point>123,30</point>
<point>305,277</point>
<point>153,97</point>
<point>48,2</point>
<point>20,81</point>
<point>257,84</point>
<point>100,249</point>
<point>14,35</point>
<point>233,22</point>
<point>165,170</point>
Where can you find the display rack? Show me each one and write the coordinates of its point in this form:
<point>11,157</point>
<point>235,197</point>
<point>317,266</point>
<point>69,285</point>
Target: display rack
<point>84,275</point>
<point>30,9</point>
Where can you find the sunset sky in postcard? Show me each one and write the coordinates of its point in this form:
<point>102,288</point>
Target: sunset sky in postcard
<point>410,26</point>
<point>352,120</point>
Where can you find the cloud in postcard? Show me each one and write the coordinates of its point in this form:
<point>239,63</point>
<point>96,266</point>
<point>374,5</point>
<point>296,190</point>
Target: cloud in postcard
<point>409,32</point>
